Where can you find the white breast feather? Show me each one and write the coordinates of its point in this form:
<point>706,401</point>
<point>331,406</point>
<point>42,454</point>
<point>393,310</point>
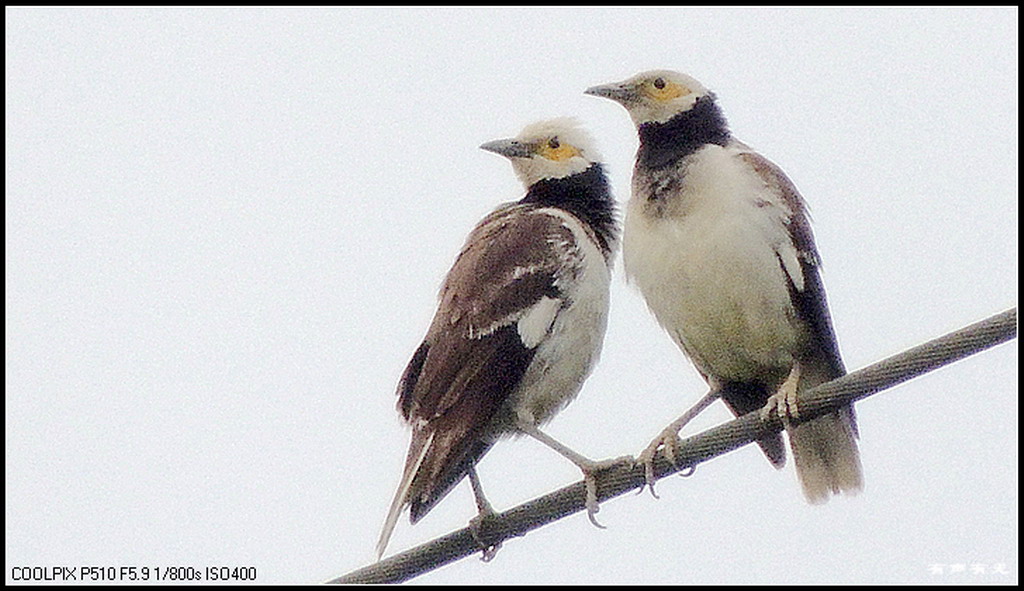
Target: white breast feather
<point>709,270</point>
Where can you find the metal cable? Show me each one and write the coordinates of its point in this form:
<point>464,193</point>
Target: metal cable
<point>692,451</point>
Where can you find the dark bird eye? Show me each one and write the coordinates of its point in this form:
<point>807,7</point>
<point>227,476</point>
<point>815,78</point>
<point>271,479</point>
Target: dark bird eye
<point>659,83</point>
<point>553,143</point>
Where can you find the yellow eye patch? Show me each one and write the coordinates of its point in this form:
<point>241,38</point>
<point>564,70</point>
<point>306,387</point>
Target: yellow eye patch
<point>557,151</point>
<point>665,90</point>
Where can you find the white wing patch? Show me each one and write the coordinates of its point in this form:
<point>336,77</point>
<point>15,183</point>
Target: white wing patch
<point>527,270</point>
<point>791,263</point>
<point>534,325</point>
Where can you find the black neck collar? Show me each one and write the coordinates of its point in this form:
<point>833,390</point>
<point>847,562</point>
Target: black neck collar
<point>665,143</point>
<point>587,195</point>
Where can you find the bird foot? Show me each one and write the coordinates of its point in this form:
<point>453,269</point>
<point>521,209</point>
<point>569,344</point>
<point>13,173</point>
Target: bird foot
<point>668,440</point>
<point>783,403</point>
<point>488,551</point>
<point>590,468</point>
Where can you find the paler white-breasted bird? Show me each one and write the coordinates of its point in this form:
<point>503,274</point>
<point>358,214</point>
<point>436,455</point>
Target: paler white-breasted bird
<point>520,321</point>
<point>718,241</point>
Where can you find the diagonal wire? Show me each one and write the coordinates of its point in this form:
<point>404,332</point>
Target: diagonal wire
<point>692,451</point>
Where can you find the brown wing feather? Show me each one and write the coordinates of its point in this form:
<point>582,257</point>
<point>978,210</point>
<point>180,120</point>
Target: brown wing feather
<point>472,358</point>
<point>511,260</point>
<point>493,367</point>
<point>810,302</point>
<point>825,449</point>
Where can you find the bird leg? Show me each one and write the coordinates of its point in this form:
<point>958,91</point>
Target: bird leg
<point>669,437</point>
<point>482,504</point>
<point>783,402</point>
<point>588,466</point>
<point>485,512</point>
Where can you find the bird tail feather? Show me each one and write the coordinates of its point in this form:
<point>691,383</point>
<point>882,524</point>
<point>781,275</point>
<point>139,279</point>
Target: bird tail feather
<point>826,456</point>
<point>417,452</point>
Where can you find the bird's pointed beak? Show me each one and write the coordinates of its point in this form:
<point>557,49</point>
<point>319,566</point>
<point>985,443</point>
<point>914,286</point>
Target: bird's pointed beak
<point>509,148</point>
<point>616,91</point>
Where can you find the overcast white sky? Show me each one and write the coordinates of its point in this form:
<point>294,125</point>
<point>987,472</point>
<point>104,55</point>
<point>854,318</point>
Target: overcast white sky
<point>225,230</point>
